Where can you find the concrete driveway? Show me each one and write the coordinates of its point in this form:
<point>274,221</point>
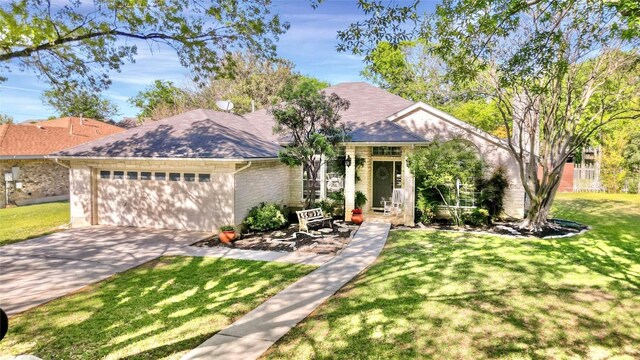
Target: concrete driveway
<point>36,271</point>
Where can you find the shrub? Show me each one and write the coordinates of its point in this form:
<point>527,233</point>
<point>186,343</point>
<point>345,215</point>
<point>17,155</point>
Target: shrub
<point>265,217</point>
<point>227,228</point>
<point>492,192</point>
<point>428,208</point>
<point>477,217</point>
<point>328,207</point>
<point>360,200</point>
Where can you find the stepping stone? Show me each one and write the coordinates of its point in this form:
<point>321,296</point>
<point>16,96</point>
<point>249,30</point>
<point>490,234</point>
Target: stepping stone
<point>325,231</point>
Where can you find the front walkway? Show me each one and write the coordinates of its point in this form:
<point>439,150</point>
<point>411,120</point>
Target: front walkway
<point>254,333</point>
<point>39,270</point>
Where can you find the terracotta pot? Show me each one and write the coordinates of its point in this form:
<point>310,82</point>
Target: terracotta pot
<point>356,216</point>
<point>227,236</point>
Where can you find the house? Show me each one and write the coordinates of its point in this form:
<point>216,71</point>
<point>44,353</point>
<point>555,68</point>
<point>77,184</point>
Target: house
<point>203,169</point>
<point>29,176</point>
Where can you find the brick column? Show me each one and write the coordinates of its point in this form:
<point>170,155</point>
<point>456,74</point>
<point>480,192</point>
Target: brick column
<point>349,182</point>
<point>409,189</point>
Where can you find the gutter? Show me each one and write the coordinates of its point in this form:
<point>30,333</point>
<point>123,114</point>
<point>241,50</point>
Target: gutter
<point>243,168</point>
<point>22,157</point>
<point>61,164</point>
<point>161,159</point>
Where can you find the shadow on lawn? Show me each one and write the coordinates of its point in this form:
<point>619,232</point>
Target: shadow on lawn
<point>164,307</point>
<point>445,295</point>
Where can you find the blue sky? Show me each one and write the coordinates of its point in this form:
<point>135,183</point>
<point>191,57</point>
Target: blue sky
<point>310,43</point>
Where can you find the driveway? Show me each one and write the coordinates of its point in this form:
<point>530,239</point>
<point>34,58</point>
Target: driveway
<point>36,271</point>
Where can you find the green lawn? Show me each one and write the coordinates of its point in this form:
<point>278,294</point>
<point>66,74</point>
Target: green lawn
<point>463,296</point>
<point>25,222</point>
<point>160,310</point>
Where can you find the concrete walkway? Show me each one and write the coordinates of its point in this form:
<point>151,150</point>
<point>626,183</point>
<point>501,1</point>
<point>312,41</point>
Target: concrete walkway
<point>39,270</point>
<point>242,254</point>
<point>254,333</point>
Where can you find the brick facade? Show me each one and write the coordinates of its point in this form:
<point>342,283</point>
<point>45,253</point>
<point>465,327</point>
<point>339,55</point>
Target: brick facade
<point>42,180</point>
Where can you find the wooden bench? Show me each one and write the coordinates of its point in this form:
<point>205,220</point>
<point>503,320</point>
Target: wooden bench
<point>310,217</point>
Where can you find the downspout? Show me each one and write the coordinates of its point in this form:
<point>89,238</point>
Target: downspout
<point>242,168</point>
<point>234,188</point>
<point>61,164</point>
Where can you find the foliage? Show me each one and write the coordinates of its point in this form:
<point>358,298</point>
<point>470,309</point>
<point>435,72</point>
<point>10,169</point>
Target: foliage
<point>162,97</point>
<point>5,119</point>
<point>613,173</point>
<point>265,217</point>
<point>328,206</point>
<point>441,166</point>
<point>337,201</point>
<point>558,71</point>
<point>477,217</point>
<point>492,191</point>
<point>447,288</point>
<point>311,123</point>
<point>75,45</point>
<point>158,310</point>
<point>481,113</point>
<point>227,228</point>
<point>359,200</point>
<point>80,103</point>
<point>426,205</point>
<point>244,78</point>
<point>26,222</point>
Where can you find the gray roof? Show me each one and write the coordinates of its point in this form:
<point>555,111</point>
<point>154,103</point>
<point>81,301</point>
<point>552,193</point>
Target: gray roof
<point>368,104</point>
<point>384,131</point>
<point>194,134</point>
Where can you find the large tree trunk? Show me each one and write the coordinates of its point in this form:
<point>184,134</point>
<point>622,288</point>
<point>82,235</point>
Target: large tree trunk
<point>541,199</point>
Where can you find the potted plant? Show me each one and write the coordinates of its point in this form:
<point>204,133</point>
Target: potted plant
<point>227,234</point>
<point>356,214</point>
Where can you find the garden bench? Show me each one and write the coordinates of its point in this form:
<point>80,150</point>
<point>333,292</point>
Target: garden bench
<point>310,217</point>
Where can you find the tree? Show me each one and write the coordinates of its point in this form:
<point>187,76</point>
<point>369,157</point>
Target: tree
<point>310,121</point>
<point>631,155</point>
<point>77,43</point>
<point>556,70</point>
<point>162,99</point>
<point>443,167</point>
<point>80,103</point>
<point>6,119</point>
<point>248,81</point>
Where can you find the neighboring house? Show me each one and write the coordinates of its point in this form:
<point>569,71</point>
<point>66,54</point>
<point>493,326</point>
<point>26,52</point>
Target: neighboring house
<point>203,169</point>
<point>24,150</point>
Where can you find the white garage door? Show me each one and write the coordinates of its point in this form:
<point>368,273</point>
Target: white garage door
<point>163,199</point>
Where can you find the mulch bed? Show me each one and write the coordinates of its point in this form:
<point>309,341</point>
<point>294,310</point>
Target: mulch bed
<point>318,241</point>
<point>557,228</point>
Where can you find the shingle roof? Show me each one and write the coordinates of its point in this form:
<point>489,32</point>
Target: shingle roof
<point>384,131</point>
<point>194,134</point>
<point>46,137</point>
<point>368,104</point>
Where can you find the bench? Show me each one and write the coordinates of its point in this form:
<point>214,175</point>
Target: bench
<point>310,217</point>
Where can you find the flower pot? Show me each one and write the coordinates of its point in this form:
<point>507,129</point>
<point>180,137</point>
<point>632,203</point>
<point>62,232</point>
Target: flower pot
<point>356,216</point>
<point>227,236</point>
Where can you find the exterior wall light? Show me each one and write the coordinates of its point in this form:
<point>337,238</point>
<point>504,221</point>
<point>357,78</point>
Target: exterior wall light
<point>347,161</point>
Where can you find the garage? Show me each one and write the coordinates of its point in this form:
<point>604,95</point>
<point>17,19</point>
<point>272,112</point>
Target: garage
<point>166,199</point>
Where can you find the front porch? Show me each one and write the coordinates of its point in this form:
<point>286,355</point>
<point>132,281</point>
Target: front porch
<point>380,217</point>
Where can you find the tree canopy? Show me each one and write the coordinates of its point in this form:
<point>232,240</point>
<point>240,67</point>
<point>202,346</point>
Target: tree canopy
<point>80,103</point>
<point>75,44</point>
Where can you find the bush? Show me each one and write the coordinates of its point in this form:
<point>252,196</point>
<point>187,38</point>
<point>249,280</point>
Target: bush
<point>227,228</point>
<point>328,207</point>
<point>360,200</point>
<point>492,192</point>
<point>265,217</point>
<point>428,209</point>
<point>477,217</point>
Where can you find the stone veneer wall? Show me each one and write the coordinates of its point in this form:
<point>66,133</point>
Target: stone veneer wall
<point>42,180</point>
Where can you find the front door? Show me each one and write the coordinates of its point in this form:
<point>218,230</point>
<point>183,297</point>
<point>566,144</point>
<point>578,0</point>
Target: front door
<point>383,175</point>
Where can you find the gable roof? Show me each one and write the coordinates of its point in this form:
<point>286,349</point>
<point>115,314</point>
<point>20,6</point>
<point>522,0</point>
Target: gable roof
<point>198,133</point>
<point>46,137</point>
<point>367,104</point>
<point>384,131</point>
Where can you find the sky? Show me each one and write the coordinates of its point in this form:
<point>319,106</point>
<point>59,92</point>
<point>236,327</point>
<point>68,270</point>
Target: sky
<point>310,43</point>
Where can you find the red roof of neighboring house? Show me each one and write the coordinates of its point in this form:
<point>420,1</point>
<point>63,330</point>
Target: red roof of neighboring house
<point>50,136</point>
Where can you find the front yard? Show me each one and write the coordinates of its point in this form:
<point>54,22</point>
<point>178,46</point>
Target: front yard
<point>463,296</point>
<point>26,222</point>
<point>160,310</point>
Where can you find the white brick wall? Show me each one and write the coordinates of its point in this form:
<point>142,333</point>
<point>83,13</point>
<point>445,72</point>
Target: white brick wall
<point>261,182</point>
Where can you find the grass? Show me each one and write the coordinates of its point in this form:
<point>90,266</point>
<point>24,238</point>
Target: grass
<point>159,310</point>
<point>26,222</point>
<point>463,296</point>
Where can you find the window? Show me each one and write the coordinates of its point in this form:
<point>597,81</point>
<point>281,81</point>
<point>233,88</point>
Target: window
<point>160,176</point>
<point>204,178</point>
<point>174,176</point>
<point>189,177</point>
<point>118,174</point>
<point>386,151</point>
<point>145,175</point>
<point>105,174</point>
<point>132,175</point>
